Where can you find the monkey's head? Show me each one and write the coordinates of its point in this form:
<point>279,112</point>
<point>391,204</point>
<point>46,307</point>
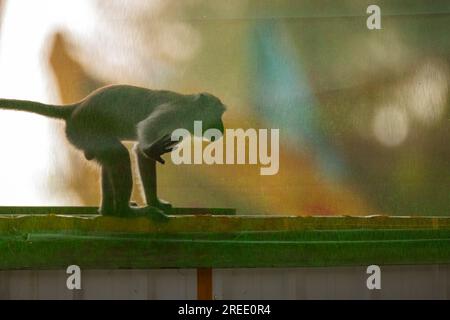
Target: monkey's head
<point>211,110</point>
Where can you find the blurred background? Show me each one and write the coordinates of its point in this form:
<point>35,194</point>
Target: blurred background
<point>363,114</point>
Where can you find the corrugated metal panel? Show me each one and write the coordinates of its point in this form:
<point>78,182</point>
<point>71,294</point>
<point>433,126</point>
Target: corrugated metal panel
<point>398,282</point>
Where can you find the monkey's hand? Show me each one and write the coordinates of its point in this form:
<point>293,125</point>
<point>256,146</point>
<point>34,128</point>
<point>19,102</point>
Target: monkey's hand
<point>159,147</point>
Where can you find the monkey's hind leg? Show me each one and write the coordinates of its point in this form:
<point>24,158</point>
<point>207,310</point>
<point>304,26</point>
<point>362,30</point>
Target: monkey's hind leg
<point>147,172</point>
<point>107,205</point>
<point>107,202</point>
<point>116,175</point>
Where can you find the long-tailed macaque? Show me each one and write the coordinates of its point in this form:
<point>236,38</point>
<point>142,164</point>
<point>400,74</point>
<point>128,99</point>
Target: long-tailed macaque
<point>99,123</point>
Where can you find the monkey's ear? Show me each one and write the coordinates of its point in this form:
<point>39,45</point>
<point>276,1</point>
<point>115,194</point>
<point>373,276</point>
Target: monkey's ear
<point>203,100</point>
<point>201,96</point>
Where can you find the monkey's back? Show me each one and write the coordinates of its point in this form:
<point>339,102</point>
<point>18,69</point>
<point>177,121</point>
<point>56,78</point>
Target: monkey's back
<point>114,111</point>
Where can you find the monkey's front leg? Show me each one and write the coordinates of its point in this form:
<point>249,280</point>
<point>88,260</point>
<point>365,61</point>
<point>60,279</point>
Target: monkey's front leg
<point>147,171</point>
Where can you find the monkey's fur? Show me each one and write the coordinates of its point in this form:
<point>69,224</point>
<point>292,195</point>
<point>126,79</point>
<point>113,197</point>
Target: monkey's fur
<point>99,123</point>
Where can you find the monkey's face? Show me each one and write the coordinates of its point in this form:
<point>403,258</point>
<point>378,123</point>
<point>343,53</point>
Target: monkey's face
<point>219,126</point>
<point>211,109</point>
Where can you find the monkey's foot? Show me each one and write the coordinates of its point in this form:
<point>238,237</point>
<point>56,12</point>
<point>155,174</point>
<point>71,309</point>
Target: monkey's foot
<point>161,204</point>
<point>134,212</point>
<point>157,215</point>
<point>150,212</point>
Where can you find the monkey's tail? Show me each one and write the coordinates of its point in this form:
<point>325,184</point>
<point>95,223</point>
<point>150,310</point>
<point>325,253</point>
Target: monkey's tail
<point>48,110</point>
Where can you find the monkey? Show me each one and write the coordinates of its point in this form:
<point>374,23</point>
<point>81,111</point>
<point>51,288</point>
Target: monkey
<point>99,124</point>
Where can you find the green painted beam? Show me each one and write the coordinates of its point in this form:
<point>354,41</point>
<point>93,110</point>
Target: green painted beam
<point>211,223</point>
<point>55,241</point>
<point>94,210</point>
